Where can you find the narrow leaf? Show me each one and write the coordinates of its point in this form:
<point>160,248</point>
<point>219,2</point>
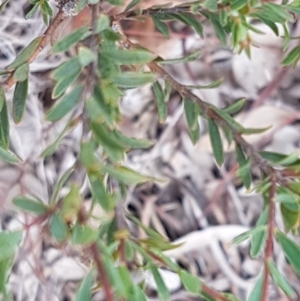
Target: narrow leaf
<point>21,73</point>
<point>8,156</point>
<point>160,101</point>
<point>103,23</point>
<point>70,40</point>
<point>161,26</point>
<point>216,141</point>
<point>133,80</point>
<point>58,227</point>
<point>65,104</point>
<point>244,168</point>
<point>235,107</point>
<point>25,55</point>
<point>4,125</point>
<point>62,85</point>
<point>255,294</point>
<point>19,100</point>
<point>280,280</point>
<point>85,289</point>
<point>86,56</point>
<point>29,205</point>
<point>290,249</point>
<point>213,85</point>
<point>32,11</point>
<point>129,57</point>
<point>132,4</point>
<point>161,287</point>
<point>188,58</point>
<point>125,175</point>
<point>72,66</point>
<point>8,243</point>
<point>190,282</point>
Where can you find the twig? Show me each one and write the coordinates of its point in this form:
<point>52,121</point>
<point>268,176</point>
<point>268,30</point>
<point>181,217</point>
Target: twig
<point>269,242</point>
<point>10,81</point>
<point>102,273</point>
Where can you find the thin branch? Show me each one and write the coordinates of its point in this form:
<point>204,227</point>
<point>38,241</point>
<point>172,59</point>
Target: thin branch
<point>46,37</point>
<point>269,242</point>
<point>101,272</point>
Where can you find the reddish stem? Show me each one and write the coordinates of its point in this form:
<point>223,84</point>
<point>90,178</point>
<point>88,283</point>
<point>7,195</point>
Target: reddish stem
<point>269,243</point>
<point>101,272</point>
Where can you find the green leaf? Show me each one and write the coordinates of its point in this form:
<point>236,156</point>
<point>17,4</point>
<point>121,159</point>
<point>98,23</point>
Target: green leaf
<point>71,204</point>
<point>84,292</point>
<point>272,156</point>
<point>191,111</point>
<point>72,66</point>
<point>235,107</point>
<point>213,85</point>
<point>129,57</point>
<point>115,2</point>
<point>21,73</point>
<point>65,104</point>
<point>258,237</point>
<point>244,168</point>
<point>8,243</point>
<point>290,249</point>
<point>188,58</point>
<point>70,40</point>
<point>280,280</point>
<point>126,279</point>
<point>162,290</point>
<point>25,55</point>
<point>211,5</point>
<point>132,4</point>
<point>250,131</point>
<point>63,84</point>
<point>4,125</point>
<point>100,194</point>
<point>5,267</point>
<point>190,282</point>
<point>137,294</point>
<point>108,141</point>
<point>246,235</point>
<point>103,23</point>
<point>133,80</point>
<point>29,205</point>
<point>59,184</point>
<point>257,242</point>
<point>32,11</point>
<point>83,235</point>
<point>218,28</point>
<point>130,143</point>
<point>58,227</point>
<point>125,175</point>
<point>19,100</point>
<point>255,294</point>
<point>160,101</point>
<point>2,98</point>
<point>238,4</point>
<point>86,56</point>
<point>216,141</point>
<point>189,20</point>
<point>46,9</point>
<point>161,26</point>
<point>8,156</point>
